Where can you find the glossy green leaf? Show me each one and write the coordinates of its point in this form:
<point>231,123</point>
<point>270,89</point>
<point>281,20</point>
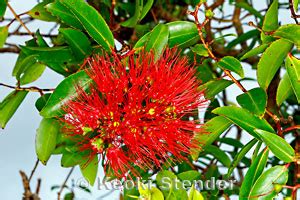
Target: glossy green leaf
<point>45,140</point>
<point>218,154</point>
<point>3,35</point>
<point>270,22</point>
<point>182,34</point>
<point>9,106</point>
<point>78,41</point>
<point>293,70</point>
<point>131,22</point>
<point>240,155</point>
<point>214,127</point>
<point>92,22</point>
<point>65,92</point>
<point>255,100</point>
<point>244,119</point>
<point>214,87</point>
<point>279,147</point>
<point>158,39</point>
<point>156,194</point>
<point>271,60</point>
<point>284,89</point>
<point>254,171</point>
<point>200,50</point>
<point>255,51</point>
<point>230,141</point>
<point>3,5</point>
<point>290,32</point>
<point>64,15</point>
<point>264,187</point>
<point>39,12</point>
<point>89,170</point>
<point>243,38</point>
<point>232,64</point>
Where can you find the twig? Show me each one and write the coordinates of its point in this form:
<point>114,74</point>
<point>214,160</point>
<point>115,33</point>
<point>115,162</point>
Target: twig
<point>33,170</point>
<point>293,13</point>
<point>64,183</point>
<point>30,89</point>
<point>18,18</point>
<point>13,49</point>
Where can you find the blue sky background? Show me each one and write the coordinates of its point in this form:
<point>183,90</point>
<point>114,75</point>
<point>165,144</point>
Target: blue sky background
<point>17,150</point>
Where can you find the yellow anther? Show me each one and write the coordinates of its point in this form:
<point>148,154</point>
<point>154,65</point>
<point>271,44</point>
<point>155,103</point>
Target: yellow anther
<point>116,124</point>
<point>170,109</point>
<point>151,111</point>
<point>111,114</point>
<point>133,130</point>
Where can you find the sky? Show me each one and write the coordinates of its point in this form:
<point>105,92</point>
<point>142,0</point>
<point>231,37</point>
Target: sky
<point>17,151</point>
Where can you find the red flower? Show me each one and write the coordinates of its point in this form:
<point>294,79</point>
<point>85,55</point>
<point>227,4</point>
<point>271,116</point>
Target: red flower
<point>136,112</point>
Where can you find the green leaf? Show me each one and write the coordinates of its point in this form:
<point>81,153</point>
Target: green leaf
<point>255,100</point>
<point>92,22</point>
<point>244,119</point>
<point>9,106</point>
<point>264,186</point>
<point>182,34</point>
<point>146,8</point>
<point>242,38</point>
<point>3,5</point>
<point>195,194</point>
<point>39,12</point>
<point>190,175</point>
<point>270,22</point>
<point>158,39</point>
<point>254,171</point>
<point>142,41</point>
<point>279,147</point>
<point>32,73</point>
<point>271,60</point>
<point>65,92</point>
<point>59,10</point>
<point>156,194</point>
<point>168,175</point>
<point>131,22</point>
<point>214,87</point>
<point>240,155</point>
<point>284,90</point>
<point>218,154</point>
<point>293,70</point>
<point>215,127</point>
<point>230,141</point>
<point>41,102</point>
<point>89,170</point>
<point>290,32</point>
<point>70,159</point>
<point>296,5</point>
<point>255,51</point>
<point>232,64</point>
<point>78,41</point>
<point>271,18</point>
<point>47,54</point>
<point>200,50</point>
<point>45,140</point>
<point>3,35</point>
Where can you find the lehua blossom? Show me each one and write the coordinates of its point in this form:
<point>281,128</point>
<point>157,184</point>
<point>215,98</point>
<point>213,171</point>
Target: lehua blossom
<point>136,113</point>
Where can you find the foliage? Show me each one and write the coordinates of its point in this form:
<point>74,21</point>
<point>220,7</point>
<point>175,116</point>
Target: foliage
<point>266,116</point>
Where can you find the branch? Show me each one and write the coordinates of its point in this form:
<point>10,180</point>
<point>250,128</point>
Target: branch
<point>292,10</point>
<point>30,89</point>
<point>64,183</point>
